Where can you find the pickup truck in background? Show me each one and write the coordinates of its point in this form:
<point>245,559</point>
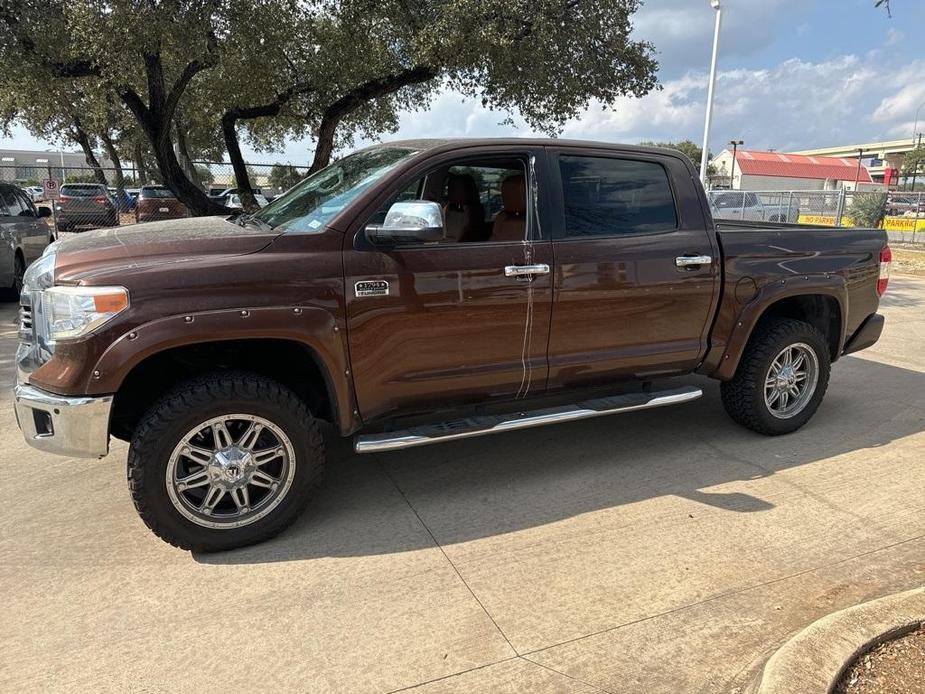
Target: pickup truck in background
<point>419,292</point>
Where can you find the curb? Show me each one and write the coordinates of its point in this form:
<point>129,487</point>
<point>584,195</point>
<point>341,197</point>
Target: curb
<point>814,660</point>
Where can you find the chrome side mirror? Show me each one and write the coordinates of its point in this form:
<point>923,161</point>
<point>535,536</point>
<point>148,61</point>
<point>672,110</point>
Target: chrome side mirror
<point>416,220</point>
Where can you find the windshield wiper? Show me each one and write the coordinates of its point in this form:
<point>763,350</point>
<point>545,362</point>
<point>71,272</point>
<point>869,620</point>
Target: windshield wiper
<point>249,219</point>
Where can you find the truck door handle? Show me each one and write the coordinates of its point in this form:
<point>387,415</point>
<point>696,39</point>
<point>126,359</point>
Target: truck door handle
<point>526,270</point>
<point>692,260</point>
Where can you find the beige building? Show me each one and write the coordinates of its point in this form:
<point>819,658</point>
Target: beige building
<point>878,157</point>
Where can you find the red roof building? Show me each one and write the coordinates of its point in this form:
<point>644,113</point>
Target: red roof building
<point>756,170</point>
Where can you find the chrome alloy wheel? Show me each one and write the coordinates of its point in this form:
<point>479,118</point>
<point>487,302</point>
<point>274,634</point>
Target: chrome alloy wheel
<point>791,380</point>
<point>230,471</point>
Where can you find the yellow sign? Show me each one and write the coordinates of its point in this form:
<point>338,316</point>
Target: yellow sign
<point>889,223</point>
<point>904,224</point>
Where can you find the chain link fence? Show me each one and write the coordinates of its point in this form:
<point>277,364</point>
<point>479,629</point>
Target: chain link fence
<point>901,214</point>
<point>89,198</point>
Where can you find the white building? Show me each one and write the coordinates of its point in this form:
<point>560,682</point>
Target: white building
<point>21,165</point>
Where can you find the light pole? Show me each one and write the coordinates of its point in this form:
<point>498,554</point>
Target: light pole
<point>915,125</point>
<point>706,125</point>
<point>732,177</point>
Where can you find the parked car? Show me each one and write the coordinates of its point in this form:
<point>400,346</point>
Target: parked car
<point>233,200</point>
<point>900,205</point>
<point>24,234</point>
<point>36,193</point>
<point>381,294</point>
<point>156,203</point>
<point>85,205</point>
<point>735,204</point>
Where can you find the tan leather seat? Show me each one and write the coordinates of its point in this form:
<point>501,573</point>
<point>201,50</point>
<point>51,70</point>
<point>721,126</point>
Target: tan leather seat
<point>511,221</point>
<point>463,213</point>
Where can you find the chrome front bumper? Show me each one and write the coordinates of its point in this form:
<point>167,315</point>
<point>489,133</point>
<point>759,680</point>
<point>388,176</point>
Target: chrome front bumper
<point>71,426</point>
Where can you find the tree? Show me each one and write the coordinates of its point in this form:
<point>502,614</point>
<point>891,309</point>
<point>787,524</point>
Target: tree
<point>545,60</point>
<point>333,69</point>
<point>914,163</point>
<point>690,149</point>
<point>867,209</point>
<point>145,55</point>
<point>283,176</point>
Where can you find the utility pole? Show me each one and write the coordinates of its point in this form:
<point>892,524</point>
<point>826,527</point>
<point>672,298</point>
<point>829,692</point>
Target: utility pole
<point>732,177</point>
<point>706,125</point>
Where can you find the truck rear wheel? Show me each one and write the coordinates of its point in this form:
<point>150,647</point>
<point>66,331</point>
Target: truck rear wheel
<point>781,379</point>
<point>224,461</point>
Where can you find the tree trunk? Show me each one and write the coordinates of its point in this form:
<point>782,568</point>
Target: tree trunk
<point>357,97</point>
<point>156,119</point>
<point>142,177</point>
<point>186,162</point>
<point>241,177</point>
<point>80,137</point>
<point>118,177</point>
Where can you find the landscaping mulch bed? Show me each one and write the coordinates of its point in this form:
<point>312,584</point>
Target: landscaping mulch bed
<point>894,667</point>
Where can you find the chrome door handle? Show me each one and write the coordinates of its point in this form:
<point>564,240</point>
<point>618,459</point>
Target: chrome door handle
<point>526,270</point>
<point>692,260</point>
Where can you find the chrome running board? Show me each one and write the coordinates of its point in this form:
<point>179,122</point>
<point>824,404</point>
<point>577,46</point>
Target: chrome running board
<point>493,424</point>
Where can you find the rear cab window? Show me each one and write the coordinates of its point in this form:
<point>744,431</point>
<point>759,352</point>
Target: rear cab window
<point>612,196</point>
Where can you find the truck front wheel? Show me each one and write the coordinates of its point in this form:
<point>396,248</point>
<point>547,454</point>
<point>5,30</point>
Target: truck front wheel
<point>781,379</point>
<point>224,461</point>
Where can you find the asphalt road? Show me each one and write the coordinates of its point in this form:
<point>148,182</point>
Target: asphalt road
<point>660,551</point>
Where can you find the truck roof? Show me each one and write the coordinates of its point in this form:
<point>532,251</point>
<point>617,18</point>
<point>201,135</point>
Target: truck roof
<point>424,144</point>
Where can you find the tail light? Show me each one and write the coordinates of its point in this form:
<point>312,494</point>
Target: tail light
<point>64,198</point>
<point>101,198</point>
<point>886,257</point>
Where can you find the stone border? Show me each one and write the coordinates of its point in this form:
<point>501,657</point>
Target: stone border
<point>814,660</point>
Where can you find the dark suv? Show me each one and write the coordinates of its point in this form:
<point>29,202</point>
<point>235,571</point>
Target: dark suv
<point>87,205</point>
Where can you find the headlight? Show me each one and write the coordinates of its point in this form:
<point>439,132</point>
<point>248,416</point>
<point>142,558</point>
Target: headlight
<point>41,274</point>
<point>70,312</point>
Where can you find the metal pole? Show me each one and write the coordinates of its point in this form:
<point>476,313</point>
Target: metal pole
<point>857,176</point>
<point>706,125</point>
<point>732,176</point>
<point>915,125</point>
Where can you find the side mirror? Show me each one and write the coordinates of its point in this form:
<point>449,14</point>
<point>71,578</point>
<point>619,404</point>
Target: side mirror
<point>44,211</point>
<point>416,220</point>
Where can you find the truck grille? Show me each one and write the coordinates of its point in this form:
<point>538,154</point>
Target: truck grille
<point>26,328</point>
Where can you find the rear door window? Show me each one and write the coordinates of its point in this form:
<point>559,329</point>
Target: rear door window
<point>606,196</point>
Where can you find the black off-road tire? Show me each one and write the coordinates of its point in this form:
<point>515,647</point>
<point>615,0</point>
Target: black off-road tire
<point>196,401</point>
<point>744,396</point>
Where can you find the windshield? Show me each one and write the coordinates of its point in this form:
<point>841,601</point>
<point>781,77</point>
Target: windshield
<point>315,201</point>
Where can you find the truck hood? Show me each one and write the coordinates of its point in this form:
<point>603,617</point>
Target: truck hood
<point>90,255</point>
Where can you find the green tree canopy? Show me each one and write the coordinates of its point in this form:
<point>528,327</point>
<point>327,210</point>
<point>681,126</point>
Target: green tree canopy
<point>195,75</point>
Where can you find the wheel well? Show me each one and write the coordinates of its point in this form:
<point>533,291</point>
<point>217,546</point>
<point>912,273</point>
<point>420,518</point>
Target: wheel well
<point>820,311</point>
<point>291,363</point>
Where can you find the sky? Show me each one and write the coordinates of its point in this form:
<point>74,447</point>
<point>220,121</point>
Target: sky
<point>792,74</point>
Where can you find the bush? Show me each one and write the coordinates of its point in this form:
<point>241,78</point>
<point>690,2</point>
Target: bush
<point>867,209</point>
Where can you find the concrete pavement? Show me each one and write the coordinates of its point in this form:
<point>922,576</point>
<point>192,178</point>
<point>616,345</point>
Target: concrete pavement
<point>660,551</point>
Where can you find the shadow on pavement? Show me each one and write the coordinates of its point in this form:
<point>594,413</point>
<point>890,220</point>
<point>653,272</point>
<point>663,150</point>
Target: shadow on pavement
<point>479,488</point>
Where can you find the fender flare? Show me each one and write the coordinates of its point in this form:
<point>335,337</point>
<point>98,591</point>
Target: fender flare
<point>314,328</point>
<point>723,358</point>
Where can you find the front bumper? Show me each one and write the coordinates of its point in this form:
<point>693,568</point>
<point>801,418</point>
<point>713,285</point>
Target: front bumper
<point>71,426</point>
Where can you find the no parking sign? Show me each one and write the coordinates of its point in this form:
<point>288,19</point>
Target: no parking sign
<point>50,188</point>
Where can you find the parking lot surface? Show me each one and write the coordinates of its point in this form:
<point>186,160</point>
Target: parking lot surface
<point>659,551</point>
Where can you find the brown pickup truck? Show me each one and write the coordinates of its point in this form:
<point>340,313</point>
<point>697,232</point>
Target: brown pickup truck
<point>419,292</point>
